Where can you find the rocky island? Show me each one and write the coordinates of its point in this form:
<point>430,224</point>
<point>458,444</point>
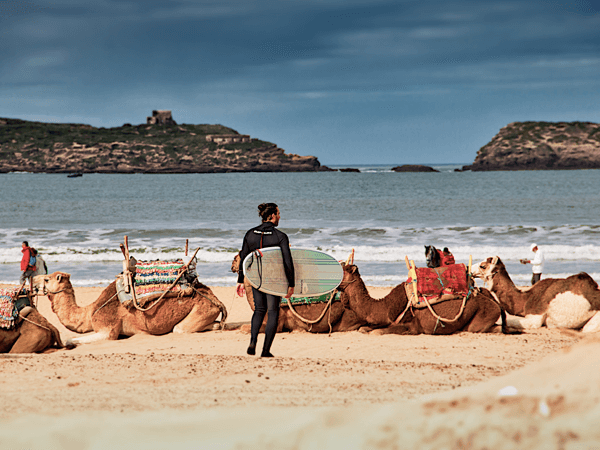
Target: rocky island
<point>541,146</point>
<point>413,168</point>
<point>159,146</point>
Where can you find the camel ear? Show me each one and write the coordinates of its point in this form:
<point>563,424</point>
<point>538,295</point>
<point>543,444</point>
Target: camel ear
<point>353,269</point>
<point>495,260</point>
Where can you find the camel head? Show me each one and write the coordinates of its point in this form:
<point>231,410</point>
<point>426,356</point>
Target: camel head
<point>350,275</point>
<point>487,269</point>
<point>235,264</point>
<point>53,283</point>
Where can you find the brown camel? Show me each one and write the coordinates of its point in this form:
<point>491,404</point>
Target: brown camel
<point>336,318</point>
<point>109,319</point>
<point>572,302</point>
<point>479,316</point>
<point>31,334</point>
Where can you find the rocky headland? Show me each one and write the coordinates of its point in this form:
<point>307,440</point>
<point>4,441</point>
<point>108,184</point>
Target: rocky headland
<point>147,148</point>
<point>541,146</point>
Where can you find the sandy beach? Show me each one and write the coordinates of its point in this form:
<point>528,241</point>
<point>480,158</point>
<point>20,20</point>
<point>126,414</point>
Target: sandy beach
<point>344,390</point>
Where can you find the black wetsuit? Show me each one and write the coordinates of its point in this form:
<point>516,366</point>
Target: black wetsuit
<point>262,236</point>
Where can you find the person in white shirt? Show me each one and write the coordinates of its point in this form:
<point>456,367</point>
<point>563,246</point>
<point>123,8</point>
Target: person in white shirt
<point>537,263</point>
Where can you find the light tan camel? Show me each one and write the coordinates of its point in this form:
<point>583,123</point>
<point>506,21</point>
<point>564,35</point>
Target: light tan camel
<point>572,302</point>
<point>109,319</point>
<point>336,318</point>
<point>479,315</point>
<point>31,334</point>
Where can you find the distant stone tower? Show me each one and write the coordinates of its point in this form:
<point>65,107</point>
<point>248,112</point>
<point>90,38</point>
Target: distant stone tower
<point>161,117</point>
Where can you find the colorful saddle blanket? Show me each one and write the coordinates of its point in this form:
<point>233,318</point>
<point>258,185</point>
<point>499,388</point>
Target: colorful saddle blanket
<point>439,284</point>
<point>310,300</point>
<point>156,276</point>
<point>8,310</point>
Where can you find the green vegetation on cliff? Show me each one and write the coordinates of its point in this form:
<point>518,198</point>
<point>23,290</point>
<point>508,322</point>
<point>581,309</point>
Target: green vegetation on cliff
<point>541,146</point>
<point>62,148</point>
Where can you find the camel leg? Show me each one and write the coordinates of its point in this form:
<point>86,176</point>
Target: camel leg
<point>197,320</point>
<point>593,324</point>
<point>31,343</point>
<point>528,322</point>
<point>89,338</point>
<point>410,328</point>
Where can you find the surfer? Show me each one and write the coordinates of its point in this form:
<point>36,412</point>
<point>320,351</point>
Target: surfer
<point>262,236</point>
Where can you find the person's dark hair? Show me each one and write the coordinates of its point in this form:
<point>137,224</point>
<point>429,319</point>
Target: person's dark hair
<point>265,210</point>
<point>26,243</point>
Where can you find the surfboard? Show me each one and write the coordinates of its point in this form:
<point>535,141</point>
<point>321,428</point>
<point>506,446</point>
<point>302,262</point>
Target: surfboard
<point>316,273</point>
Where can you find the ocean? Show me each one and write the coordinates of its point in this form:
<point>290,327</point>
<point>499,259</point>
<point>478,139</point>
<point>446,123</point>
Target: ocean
<point>77,224</point>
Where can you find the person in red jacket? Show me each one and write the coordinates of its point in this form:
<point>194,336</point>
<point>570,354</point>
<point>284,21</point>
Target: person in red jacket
<point>446,258</point>
<point>27,263</point>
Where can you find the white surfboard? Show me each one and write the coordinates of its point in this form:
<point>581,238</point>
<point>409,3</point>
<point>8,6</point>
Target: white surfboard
<point>316,273</point>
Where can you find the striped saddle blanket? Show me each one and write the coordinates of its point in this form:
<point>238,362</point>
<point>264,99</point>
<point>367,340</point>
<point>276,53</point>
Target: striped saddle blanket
<point>157,276</point>
<point>8,310</point>
<point>295,301</point>
<point>438,284</point>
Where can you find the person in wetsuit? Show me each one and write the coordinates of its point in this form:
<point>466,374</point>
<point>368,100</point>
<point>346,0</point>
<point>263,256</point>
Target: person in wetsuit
<point>266,235</point>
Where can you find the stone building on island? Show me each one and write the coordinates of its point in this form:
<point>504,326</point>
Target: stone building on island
<point>227,138</point>
<point>160,117</point>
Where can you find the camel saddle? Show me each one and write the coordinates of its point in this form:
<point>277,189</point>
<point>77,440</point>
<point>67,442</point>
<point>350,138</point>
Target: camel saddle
<point>324,298</point>
<point>438,285</point>
<point>12,300</point>
<point>153,278</point>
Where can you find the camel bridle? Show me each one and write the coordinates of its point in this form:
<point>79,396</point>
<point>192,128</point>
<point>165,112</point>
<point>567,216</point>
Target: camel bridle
<point>46,291</point>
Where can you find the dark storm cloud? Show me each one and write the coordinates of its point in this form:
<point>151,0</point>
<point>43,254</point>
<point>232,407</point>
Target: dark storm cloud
<point>304,62</point>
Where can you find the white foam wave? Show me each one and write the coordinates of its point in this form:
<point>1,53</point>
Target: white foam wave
<point>364,253</point>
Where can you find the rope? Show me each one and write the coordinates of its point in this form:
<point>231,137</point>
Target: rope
<point>57,292</point>
<point>31,321</point>
<point>441,319</point>
<point>311,322</point>
<point>231,305</point>
<point>217,303</point>
<point>105,303</point>
<point>401,316</point>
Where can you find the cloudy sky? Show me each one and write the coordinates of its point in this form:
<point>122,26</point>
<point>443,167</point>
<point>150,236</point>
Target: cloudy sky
<point>349,81</point>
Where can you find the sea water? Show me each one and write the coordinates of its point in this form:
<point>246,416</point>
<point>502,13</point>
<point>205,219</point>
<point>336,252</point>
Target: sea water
<point>77,224</point>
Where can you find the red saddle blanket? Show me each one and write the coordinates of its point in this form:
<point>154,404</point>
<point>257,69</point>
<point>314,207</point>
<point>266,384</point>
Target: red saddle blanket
<point>446,280</point>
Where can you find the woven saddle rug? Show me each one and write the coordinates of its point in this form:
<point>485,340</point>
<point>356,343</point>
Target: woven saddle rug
<point>156,276</point>
<point>8,310</point>
<point>438,285</point>
<point>296,301</point>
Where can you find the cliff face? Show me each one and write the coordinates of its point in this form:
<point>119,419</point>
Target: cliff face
<point>65,148</point>
<point>541,146</point>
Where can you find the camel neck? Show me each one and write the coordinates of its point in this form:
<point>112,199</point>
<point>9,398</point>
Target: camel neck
<point>511,297</point>
<point>72,316</point>
<point>379,312</point>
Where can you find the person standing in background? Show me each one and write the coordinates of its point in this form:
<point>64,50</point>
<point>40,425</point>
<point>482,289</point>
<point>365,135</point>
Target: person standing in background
<point>537,263</point>
<point>27,263</point>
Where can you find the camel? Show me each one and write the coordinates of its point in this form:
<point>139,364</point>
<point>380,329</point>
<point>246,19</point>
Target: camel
<point>31,334</point>
<point>109,319</point>
<point>336,318</point>
<point>572,302</point>
<point>479,316</point>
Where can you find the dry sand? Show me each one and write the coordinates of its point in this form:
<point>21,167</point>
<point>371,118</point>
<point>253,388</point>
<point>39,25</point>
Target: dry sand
<point>345,390</point>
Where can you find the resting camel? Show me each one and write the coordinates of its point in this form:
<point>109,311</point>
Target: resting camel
<point>572,302</point>
<point>31,334</point>
<point>479,316</point>
<point>335,318</point>
<point>109,319</point>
